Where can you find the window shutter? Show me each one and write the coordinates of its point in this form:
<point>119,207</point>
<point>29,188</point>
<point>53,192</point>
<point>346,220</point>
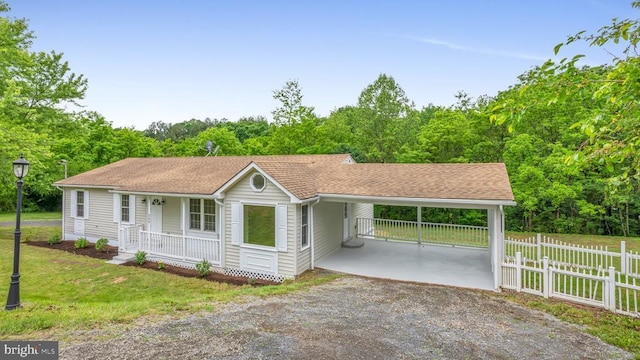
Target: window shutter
<point>116,208</point>
<point>281,227</point>
<point>86,204</point>
<point>132,209</point>
<point>74,203</point>
<point>236,229</point>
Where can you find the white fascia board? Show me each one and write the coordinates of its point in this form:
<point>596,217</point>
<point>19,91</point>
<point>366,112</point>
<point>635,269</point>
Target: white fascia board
<point>220,193</point>
<point>199,196</point>
<point>84,186</point>
<point>425,202</point>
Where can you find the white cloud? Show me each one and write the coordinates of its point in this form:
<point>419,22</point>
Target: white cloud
<point>483,51</point>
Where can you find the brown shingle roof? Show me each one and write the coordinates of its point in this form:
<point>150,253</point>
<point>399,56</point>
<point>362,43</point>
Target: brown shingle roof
<point>305,176</point>
<point>433,181</point>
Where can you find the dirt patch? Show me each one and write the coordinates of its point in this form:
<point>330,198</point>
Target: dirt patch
<point>353,318</point>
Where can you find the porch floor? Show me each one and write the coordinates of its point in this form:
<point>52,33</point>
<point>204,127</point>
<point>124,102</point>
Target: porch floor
<point>445,265</point>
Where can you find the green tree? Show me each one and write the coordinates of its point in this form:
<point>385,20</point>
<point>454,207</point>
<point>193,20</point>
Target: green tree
<point>386,121</point>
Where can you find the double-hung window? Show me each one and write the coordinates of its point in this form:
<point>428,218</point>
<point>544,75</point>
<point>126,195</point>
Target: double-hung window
<point>80,204</point>
<point>202,215</point>
<point>125,208</point>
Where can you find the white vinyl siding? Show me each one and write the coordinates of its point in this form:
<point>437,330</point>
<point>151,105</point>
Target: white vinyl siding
<point>100,222</point>
<point>242,192</point>
<point>327,229</point>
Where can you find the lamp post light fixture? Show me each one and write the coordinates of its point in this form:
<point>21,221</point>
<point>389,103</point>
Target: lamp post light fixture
<point>20,170</point>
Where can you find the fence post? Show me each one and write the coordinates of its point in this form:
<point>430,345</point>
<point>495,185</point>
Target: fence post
<point>518,271</point>
<point>611,282</point>
<point>623,257</point>
<point>140,239</point>
<point>545,277</point>
<point>538,247</point>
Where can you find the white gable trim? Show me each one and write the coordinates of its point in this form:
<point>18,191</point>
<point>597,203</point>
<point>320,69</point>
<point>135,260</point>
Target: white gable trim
<point>220,193</point>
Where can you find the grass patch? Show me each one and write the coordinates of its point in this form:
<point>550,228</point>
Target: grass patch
<point>31,216</point>
<point>612,242</point>
<point>63,292</point>
<point>618,330</point>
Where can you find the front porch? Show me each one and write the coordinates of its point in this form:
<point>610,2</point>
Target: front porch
<point>434,264</point>
<point>179,249</point>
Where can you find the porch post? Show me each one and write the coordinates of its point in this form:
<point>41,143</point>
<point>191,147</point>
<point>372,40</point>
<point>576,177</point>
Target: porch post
<point>494,223</point>
<point>419,225</point>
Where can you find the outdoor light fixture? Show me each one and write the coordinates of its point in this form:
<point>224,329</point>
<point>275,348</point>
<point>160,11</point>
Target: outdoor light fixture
<point>20,170</point>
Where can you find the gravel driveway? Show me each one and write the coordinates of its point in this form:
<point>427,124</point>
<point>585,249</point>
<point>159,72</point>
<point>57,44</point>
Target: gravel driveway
<point>355,318</point>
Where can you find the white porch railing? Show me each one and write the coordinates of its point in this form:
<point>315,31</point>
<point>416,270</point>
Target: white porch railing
<point>180,247</point>
<point>129,237</point>
<point>562,253</point>
<point>608,289</point>
<point>437,233</point>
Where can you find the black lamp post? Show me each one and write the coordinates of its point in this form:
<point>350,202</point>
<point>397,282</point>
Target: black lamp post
<point>20,170</point>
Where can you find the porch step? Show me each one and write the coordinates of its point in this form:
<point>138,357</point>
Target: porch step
<point>121,258</point>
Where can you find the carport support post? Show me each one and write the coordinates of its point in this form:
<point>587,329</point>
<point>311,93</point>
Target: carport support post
<point>419,224</point>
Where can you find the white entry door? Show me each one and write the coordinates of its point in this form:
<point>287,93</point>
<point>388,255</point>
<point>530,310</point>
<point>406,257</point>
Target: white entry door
<point>155,215</point>
<point>346,226</point>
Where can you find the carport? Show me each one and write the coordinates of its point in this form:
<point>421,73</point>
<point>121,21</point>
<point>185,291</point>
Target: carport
<point>386,252</point>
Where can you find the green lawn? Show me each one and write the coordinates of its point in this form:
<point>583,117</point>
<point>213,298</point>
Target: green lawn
<point>62,292</point>
<point>31,216</point>
<point>612,242</point>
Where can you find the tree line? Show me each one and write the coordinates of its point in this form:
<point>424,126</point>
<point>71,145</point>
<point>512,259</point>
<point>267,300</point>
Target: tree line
<point>567,133</point>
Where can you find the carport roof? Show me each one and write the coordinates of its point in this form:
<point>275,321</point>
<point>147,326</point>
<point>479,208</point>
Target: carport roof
<point>304,176</point>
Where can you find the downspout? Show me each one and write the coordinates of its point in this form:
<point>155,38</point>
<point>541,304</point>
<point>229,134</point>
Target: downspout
<point>221,232</point>
<point>63,212</point>
<point>311,242</point>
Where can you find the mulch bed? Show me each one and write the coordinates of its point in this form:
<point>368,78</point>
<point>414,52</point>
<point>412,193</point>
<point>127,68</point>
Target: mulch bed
<point>110,251</point>
<point>68,245</point>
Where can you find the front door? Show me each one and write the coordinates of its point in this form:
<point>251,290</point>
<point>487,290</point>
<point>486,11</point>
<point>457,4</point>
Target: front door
<point>346,226</point>
<point>155,215</point>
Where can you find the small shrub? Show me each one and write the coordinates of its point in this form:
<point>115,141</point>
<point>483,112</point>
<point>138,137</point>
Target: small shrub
<point>141,257</point>
<point>81,243</point>
<point>54,239</point>
<point>101,244</point>
<point>204,268</point>
<point>251,281</point>
<point>160,265</point>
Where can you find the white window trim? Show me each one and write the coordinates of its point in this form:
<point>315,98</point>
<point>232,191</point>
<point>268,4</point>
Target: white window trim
<point>280,226</point>
<point>74,204</point>
<point>117,209</point>
<point>305,247</point>
<point>264,186</point>
<point>201,229</point>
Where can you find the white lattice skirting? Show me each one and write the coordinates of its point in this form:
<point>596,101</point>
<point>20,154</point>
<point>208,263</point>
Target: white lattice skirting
<point>253,274</point>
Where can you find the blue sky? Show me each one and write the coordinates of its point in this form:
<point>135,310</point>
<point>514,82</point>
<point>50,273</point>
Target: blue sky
<point>176,60</point>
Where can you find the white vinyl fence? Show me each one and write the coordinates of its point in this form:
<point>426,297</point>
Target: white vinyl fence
<point>608,289</point>
<point>580,256</point>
